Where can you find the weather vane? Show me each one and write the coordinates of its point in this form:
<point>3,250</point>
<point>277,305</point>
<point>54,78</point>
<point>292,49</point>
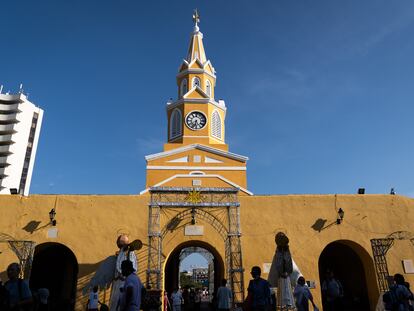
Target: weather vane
<point>196,17</point>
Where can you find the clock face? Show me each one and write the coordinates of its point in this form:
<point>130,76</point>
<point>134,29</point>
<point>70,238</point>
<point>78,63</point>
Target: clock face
<point>196,120</point>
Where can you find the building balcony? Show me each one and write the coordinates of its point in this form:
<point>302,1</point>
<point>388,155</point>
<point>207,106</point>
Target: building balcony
<point>3,162</point>
<point>7,129</point>
<point>10,118</point>
<point>3,173</point>
<point>6,140</point>
<point>4,150</point>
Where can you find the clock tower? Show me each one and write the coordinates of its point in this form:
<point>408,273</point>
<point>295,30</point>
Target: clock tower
<point>196,153</point>
<point>196,117</point>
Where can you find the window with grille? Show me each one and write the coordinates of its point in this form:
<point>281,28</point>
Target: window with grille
<point>175,123</point>
<point>216,124</point>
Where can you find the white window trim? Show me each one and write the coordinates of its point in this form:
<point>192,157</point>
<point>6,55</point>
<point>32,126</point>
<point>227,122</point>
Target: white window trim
<point>208,88</point>
<point>182,90</point>
<point>192,82</point>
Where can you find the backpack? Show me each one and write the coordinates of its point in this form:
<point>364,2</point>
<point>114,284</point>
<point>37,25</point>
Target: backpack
<point>391,300</point>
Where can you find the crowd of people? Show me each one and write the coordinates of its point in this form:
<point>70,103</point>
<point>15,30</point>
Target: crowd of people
<point>185,300</point>
<point>15,295</point>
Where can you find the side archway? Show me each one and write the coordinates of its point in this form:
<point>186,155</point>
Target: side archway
<point>55,267</point>
<point>354,268</point>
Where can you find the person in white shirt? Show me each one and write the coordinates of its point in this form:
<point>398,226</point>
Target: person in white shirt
<point>224,297</point>
<point>93,301</point>
<point>302,295</point>
<point>177,299</point>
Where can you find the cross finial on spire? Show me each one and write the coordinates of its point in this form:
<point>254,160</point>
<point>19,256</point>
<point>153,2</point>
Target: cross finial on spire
<point>196,17</point>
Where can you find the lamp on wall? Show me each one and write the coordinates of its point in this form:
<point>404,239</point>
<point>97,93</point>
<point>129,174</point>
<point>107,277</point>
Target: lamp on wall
<point>52,215</point>
<point>340,216</point>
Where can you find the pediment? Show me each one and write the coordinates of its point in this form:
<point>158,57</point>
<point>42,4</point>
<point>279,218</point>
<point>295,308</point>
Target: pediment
<point>196,92</point>
<point>211,153</point>
<point>196,64</point>
<point>209,67</point>
<point>183,66</point>
<point>187,180</point>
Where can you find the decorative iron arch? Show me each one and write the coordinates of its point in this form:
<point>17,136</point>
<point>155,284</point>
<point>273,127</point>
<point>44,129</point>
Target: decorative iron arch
<point>380,248</point>
<point>401,235</point>
<point>201,213</point>
<point>207,203</point>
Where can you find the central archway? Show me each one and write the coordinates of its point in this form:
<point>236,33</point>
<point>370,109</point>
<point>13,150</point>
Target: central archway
<point>172,264</point>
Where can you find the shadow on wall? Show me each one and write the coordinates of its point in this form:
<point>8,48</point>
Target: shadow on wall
<point>87,272</point>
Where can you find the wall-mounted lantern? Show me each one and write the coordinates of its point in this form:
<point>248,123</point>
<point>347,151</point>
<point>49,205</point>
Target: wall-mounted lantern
<point>52,216</point>
<point>340,216</point>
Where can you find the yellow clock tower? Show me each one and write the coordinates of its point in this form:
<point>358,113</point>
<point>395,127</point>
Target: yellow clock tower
<point>196,154</point>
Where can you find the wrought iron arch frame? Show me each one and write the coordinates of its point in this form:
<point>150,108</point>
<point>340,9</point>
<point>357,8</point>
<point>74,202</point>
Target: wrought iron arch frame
<point>24,251</point>
<point>203,214</point>
<point>380,247</point>
<point>203,203</point>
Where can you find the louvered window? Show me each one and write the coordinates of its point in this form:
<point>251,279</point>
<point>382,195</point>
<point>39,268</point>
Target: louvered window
<point>175,123</point>
<point>216,125</point>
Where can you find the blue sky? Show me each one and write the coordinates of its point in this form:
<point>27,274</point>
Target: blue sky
<point>320,94</point>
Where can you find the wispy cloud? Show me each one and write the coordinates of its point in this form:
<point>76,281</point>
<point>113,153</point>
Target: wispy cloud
<point>400,23</point>
<point>149,145</point>
<point>289,82</point>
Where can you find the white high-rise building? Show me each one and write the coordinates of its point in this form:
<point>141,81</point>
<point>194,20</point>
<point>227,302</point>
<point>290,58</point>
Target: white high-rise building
<point>20,123</point>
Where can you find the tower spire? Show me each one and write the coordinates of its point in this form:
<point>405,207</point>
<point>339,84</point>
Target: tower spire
<point>196,48</point>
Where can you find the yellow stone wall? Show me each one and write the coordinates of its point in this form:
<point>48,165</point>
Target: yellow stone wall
<point>89,225</point>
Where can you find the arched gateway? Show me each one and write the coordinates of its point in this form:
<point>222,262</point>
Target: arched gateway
<point>55,267</point>
<point>353,267</point>
<point>171,268</point>
<point>179,211</point>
